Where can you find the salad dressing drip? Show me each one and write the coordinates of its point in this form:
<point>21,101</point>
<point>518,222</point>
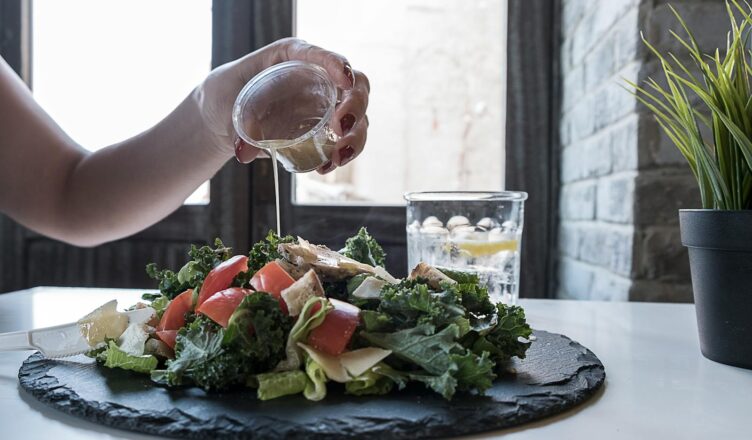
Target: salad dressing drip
<point>275,166</point>
<point>302,157</point>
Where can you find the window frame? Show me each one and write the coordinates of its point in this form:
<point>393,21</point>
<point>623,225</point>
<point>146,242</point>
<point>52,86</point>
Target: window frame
<point>241,208</point>
<point>532,135</point>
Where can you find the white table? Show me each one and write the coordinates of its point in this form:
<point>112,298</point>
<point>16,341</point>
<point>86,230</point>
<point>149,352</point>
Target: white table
<point>658,385</point>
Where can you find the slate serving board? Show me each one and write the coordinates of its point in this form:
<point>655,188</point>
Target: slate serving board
<point>557,374</point>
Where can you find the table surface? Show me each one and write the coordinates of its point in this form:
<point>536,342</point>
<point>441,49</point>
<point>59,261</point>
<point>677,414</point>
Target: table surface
<point>658,385</point>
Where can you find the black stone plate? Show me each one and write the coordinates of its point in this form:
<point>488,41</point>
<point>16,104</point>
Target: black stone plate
<point>557,374</point>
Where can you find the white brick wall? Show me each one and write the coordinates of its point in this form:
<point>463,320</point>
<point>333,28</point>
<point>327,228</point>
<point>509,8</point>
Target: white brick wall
<point>622,179</point>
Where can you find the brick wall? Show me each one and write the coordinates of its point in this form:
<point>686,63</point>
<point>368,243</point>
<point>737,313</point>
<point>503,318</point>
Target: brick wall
<point>622,179</point>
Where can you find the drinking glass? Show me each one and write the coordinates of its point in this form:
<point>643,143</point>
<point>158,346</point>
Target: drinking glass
<point>478,232</point>
<point>287,109</point>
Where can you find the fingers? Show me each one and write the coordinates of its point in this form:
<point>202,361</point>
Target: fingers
<point>336,65</point>
<point>351,144</point>
<point>348,147</point>
<point>245,153</point>
<point>353,106</point>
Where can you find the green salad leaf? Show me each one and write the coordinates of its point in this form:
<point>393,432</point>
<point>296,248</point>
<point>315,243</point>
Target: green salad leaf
<point>461,276</point>
<point>114,357</point>
<point>411,303</point>
<point>369,383</point>
<point>201,359</point>
<point>273,385</point>
<point>509,337</point>
<point>474,372</point>
<point>159,304</point>
<point>316,386</point>
<point>421,346</point>
<point>364,248</point>
<point>266,251</point>
<point>311,316</point>
<point>474,298</point>
<point>203,259</point>
<point>258,330</point>
<point>444,384</point>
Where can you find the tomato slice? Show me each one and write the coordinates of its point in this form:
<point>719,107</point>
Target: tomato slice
<point>220,306</point>
<point>174,317</point>
<point>273,279</point>
<point>334,334</point>
<point>168,337</point>
<point>221,277</point>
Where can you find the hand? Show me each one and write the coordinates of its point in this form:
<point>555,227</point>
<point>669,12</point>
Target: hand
<point>216,96</point>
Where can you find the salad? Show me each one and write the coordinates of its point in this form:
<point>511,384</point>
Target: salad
<point>296,318</point>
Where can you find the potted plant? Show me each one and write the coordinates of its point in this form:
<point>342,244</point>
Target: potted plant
<point>705,108</point>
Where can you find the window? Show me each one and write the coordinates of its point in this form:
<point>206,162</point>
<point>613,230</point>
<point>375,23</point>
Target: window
<point>106,70</point>
<point>437,111</point>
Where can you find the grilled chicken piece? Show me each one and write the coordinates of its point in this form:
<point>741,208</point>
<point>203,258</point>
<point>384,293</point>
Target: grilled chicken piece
<point>297,272</point>
<point>158,349</point>
<point>301,290</point>
<point>328,264</point>
<point>431,274</point>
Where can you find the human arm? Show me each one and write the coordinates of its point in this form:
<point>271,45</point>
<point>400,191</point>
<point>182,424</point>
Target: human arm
<point>52,185</point>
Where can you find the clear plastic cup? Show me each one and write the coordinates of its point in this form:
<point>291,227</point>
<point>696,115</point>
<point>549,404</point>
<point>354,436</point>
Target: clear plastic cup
<point>478,232</point>
<point>288,108</point>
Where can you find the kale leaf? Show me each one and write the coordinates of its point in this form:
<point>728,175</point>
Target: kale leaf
<point>509,337</point>
<point>421,346</point>
<point>444,365</point>
<point>474,372</point>
<point>411,302</point>
<point>201,359</point>
<point>258,330</point>
<point>364,248</point>
<point>203,259</point>
<point>474,299</point>
<point>266,251</point>
<point>461,276</point>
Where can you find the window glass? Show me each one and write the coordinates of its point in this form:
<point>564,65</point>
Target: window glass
<point>107,70</point>
<point>436,112</point>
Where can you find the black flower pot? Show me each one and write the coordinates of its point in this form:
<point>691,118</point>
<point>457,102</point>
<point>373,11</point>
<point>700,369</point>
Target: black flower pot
<point>720,258</point>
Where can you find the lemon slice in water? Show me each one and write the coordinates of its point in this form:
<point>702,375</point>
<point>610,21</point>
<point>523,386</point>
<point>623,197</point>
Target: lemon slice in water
<point>485,248</point>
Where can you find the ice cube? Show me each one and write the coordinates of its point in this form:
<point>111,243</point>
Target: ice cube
<point>495,234</point>
<point>432,221</point>
<point>501,234</point>
<point>456,221</point>
<point>414,226</point>
<point>509,225</point>
<point>466,232</point>
<point>487,223</point>
<point>434,230</point>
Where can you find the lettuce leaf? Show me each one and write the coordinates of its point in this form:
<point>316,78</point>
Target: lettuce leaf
<point>114,357</point>
<point>307,320</point>
<point>369,383</point>
<point>273,385</point>
<point>315,388</point>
